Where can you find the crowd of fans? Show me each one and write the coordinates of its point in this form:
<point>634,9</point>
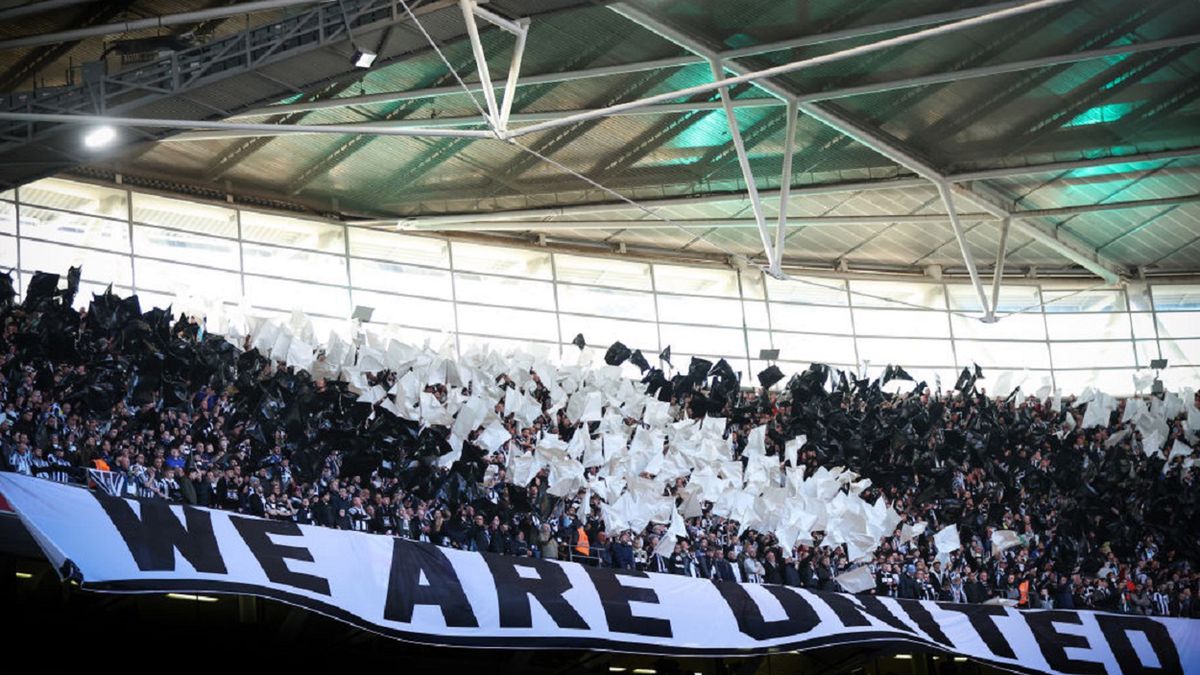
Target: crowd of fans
<point>178,414</point>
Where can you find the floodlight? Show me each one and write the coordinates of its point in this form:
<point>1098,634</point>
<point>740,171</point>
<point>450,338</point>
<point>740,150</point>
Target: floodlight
<point>364,58</point>
<point>99,137</point>
<point>768,354</point>
<point>1158,364</point>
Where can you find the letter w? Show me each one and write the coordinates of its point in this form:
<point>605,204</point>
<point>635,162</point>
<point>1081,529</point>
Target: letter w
<point>153,539</point>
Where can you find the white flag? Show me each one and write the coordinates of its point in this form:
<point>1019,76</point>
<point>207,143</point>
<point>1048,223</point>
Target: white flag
<point>857,580</point>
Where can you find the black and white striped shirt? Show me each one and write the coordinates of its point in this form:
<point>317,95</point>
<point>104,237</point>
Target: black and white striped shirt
<point>21,462</point>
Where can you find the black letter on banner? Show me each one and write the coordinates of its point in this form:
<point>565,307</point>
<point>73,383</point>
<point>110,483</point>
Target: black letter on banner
<point>513,591</point>
<point>925,621</point>
<point>801,617</point>
<point>272,556</point>
<point>409,561</point>
<point>981,620</point>
<point>1054,644</point>
<point>1114,629</point>
<point>616,598</point>
<point>154,538</point>
<point>851,615</point>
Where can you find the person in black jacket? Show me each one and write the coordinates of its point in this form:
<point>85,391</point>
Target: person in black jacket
<point>772,570</point>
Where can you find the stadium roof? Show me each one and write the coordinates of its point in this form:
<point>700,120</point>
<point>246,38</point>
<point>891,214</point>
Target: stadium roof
<point>1067,135</point>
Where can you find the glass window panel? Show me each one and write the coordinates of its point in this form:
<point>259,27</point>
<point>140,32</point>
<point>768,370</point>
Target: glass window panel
<point>815,348</point>
<point>407,311</point>
<point>8,251</point>
<point>695,280</point>
<point>507,345</point>
<point>1175,379</point>
<point>64,194</point>
<point>756,314</point>
<point>10,195</point>
<point>395,247</point>
<point>1143,325</point>
<point>600,333</point>
<point>191,248</point>
<point>759,340</point>
<point>928,295</point>
<point>1116,382</point>
<point>8,218</point>
<point>1147,351</point>
<point>606,301</point>
<point>909,323</point>
<point>1028,326</point>
<point>1092,354</point>
<point>810,318</point>
<point>302,265</point>
<point>815,290</point>
<point>496,260</point>
<point>1181,352</point>
<point>1099,326</point>
<point>687,309</point>
<point>171,278</point>
<point>184,215</point>
<point>602,272</point>
<point>505,322</point>
<point>1181,296</point>
<point>311,235</point>
<point>963,297</point>
<point>289,295</point>
<point>1178,324</point>
<point>753,285</point>
<point>1087,301</point>
<point>75,229</point>
<point>420,336</point>
<point>906,352</point>
<point>407,279</point>
<point>696,339</point>
<point>56,258</point>
<point>1003,354</point>
<point>489,290</point>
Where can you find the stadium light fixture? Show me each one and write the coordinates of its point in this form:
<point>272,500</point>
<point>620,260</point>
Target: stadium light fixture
<point>99,137</point>
<point>191,598</point>
<point>364,58</point>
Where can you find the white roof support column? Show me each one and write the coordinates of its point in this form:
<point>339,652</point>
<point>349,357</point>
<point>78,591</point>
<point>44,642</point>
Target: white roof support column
<point>514,71</point>
<point>968,259</point>
<point>489,94</point>
<point>744,162</point>
<point>785,184</point>
<point>998,273</point>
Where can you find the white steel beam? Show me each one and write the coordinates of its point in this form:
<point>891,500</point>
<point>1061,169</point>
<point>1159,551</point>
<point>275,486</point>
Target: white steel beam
<point>786,67</point>
<point>785,184</point>
<point>155,123</point>
<point>486,222</point>
<point>489,94</point>
<point>998,272</point>
<point>681,61</point>
<point>475,120</point>
<point>665,202</point>
<point>1057,167</point>
<point>235,9</point>
<point>514,71</point>
<point>744,161</point>
<point>968,259</point>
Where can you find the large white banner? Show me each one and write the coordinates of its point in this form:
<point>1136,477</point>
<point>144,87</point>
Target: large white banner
<point>433,595</point>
